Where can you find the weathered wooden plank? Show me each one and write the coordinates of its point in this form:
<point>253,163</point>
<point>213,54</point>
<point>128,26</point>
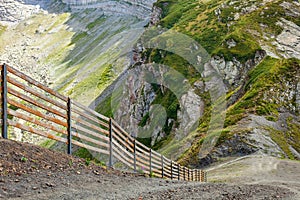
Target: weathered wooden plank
<point>37,113</point>
<point>91,111</point>
<point>145,157</point>
<point>142,166</point>
<point>35,131</point>
<point>116,155</point>
<point>157,171</point>
<point>35,83</point>
<point>156,157</point>
<point>87,124</point>
<point>90,117</point>
<point>156,154</point>
<point>142,161</point>
<point>167,174</point>
<point>157,161</point>
<point>167,168</point>
<point>156,174</point>
<point>88,139</point>
<point>35,121</point>
<point>158,166</point>
<point>123,149</point>
<point>144,152</point>
<point>124,138</point>
<point>87,131</point>
<point>35,93</point>
<point>123,144</point>
<point>121,130</point>
<point>36,103</point>
<point>89,147</point>
<point>167,160</point>
<point>142,146</point>
<point>123,154</point>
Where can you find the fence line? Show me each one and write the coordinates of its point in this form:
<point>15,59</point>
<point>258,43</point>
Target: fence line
<point>52,115</point>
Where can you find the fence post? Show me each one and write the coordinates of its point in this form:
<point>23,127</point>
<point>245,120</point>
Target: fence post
<point>69,102</point>
<point>110,143</point>
<point>150,161</point>
<point>184,173</point>
<point>162,166</point>
<point>4,100</point>
<point>200,178</point>
<point>171,170</point>
<point>134,154</point>
<point>193,172</point>
<point>178,171</point>
<point>189,174</point>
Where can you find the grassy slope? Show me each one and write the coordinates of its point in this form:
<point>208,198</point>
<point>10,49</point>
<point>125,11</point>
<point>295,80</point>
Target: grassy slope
<point>198,20</point>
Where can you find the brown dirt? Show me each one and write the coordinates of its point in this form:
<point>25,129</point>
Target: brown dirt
<point>32,172</point>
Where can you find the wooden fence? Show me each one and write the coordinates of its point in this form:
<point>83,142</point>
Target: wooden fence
<point>47,113</point>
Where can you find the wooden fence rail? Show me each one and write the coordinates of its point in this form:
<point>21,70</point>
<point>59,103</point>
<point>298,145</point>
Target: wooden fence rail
<point>47,113</point>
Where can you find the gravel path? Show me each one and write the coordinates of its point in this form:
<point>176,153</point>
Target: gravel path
<point>59,176</point>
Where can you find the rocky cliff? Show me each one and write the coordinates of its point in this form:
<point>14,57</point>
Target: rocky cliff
<point>254,48</point>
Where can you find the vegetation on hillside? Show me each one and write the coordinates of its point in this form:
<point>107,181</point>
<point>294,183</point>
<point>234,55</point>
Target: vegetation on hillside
<point>215,23</point>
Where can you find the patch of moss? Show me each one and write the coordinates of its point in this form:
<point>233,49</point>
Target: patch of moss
<point>95,23</point>
<point>47,143</point>
<point>280,138</point>
<point>260,78</point>
<point>144,120</point>
<point>163,142</point>
<point>246,47</point>
<point>78,37</point>
<point>83,153</point>
<point>2,29</point>
<point>105,107</point>
<point>99,79</point>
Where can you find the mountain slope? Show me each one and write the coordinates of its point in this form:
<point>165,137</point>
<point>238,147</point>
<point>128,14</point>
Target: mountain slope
<point>75,49</point>
<point>99,53</point>
<point>254,46</point>
<point>72,46</point>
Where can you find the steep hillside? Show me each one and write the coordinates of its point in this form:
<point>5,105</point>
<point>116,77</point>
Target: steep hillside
<point>77,49</point>
<point>205,81</point>
<point>254,47</point>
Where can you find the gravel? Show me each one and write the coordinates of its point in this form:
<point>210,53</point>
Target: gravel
<point>32,172</point>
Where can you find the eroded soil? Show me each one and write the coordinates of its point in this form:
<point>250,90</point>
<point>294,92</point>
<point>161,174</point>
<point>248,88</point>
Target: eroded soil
<point>32,172</point>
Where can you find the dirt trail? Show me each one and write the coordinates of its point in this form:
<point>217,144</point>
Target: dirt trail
<point>31,172</point>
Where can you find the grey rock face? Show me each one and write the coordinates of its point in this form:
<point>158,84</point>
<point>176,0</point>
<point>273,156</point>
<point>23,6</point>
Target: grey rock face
<point>138,8</point>
<point>288,42</point>
<point>188,116</point>
<point>12,11</point>
<point>233,72</point>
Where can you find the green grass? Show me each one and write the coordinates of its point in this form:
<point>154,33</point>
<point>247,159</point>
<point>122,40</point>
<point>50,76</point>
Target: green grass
<point>96,80</point>
<point>260,78</point>
<point>282,140</point>
<point>84,153</point>
<point>47,143</point>
<point>78,36</point>
<point>96,23</point>
<point>2,29</point>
